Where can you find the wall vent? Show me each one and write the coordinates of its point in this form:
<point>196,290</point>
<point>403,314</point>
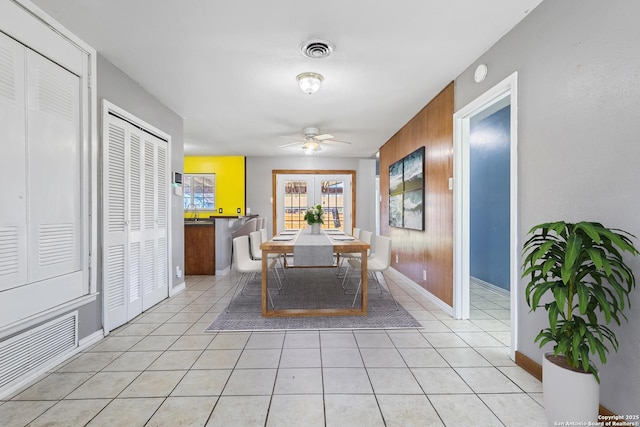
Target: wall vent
<point>36,348</point>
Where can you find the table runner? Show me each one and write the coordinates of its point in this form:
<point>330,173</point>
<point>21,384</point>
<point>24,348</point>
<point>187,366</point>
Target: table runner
<point>312,249</point>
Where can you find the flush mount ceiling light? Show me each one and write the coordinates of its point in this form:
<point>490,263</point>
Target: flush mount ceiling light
<point>309,82</point>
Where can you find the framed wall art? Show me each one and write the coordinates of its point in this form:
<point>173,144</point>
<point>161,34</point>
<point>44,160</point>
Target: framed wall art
<point>406,191</point>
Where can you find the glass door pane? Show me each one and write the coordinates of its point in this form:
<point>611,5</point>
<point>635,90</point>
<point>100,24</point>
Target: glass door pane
<point>295,204</point>
<point>332,200</point>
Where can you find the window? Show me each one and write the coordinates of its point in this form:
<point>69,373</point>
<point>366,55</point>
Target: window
<point>199,191</point>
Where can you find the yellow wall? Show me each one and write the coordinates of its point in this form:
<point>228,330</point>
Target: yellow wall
<point>230,175</point>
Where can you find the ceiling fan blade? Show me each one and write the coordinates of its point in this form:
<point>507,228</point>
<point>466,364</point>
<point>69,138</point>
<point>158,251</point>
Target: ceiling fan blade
<point>334,141</point>
<point>323,137</point>
<point>290,144</point>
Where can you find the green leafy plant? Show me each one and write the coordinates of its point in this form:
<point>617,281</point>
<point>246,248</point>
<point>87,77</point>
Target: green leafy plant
<point>580,266</point>
<point>314,215</point>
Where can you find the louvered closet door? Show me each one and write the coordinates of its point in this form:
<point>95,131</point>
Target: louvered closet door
<point>13,206</point>
<point>155,265</point>
<point>135,183</point>
<point>115,234</point>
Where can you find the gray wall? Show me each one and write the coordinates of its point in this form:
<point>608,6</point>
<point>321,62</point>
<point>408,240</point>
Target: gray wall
<point>578,143</point>
<point>259,187</point>
<point>117,88</point>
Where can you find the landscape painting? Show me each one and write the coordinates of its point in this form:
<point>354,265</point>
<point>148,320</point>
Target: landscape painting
<point>395,210</point>
<point>413,209</point>
<point>406,191</point>
<point>395,178</point>
<point>413,175</point>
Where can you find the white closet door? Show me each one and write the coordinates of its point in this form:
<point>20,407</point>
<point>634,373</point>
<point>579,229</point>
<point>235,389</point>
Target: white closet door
<point>155,280</point>
<point>135,185</point>
<point>134,209</point>
<point>13,209</point>
<point>54,156</point>
<point>115,234</point>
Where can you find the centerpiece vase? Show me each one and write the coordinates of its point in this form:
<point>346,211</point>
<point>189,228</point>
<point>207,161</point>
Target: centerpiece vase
<point>315,228</point>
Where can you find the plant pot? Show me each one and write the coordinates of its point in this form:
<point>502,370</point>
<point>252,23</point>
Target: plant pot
<point>315,228</point>
<point>568,395</point>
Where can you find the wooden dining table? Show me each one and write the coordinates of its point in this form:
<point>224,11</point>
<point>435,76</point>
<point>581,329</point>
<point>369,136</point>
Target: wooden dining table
<point>339,246</point>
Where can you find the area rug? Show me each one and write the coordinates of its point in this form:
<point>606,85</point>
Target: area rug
<point>311,288</point>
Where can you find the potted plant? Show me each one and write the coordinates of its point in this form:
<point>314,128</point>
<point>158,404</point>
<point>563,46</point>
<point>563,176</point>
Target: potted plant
<point>313,216</point>
<point>578,275</point>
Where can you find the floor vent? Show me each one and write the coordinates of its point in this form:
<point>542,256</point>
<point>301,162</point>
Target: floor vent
<point>37,347</point>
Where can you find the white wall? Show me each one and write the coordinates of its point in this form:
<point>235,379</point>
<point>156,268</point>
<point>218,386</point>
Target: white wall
<point>578,142</point>
<point>259,183</point>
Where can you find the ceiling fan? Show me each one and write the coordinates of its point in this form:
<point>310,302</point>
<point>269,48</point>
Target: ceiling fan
<point>313,139</point>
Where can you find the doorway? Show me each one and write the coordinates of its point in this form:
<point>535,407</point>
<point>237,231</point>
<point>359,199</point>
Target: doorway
<point>499,101</point>
<point>295,192</point>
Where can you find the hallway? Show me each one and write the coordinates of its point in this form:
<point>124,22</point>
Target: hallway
<point>161,369</point>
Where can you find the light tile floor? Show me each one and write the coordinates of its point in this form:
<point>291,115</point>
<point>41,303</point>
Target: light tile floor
<point>161,369</point>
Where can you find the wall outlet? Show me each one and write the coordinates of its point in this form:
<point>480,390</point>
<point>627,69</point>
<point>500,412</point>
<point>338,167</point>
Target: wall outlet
<point>424,274</point>
<point>239,210</point>
<point>178,272</point>
<point>219,210</point>
<point>397,259</point>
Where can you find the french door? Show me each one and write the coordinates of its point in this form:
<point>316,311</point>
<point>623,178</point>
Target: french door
<point>297,192</point>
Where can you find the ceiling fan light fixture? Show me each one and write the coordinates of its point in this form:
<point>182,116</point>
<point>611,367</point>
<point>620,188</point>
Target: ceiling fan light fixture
<point>310,147</point>
<point>309,82</point>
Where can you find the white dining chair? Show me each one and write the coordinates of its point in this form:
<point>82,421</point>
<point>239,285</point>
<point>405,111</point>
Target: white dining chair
<point>378,263</point>
<point>364,236</point>
<point>247,267</point>
<point>255,240</point>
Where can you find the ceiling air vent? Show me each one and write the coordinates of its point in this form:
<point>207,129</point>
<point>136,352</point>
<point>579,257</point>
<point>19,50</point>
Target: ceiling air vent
<point>316,49</point>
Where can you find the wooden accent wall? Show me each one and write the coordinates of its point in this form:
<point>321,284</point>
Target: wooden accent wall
<point>431,249</point>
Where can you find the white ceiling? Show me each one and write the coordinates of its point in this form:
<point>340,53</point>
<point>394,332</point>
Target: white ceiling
<point>229,67</point>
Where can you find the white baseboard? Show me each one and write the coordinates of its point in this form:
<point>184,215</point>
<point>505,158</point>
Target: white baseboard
<point>177,289</point>
<point>489,286</point>
<point>441,304</point>
<point>223,272</point>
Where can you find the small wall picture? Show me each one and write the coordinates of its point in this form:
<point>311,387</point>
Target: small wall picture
<point>395,178</point>
<point>395,210</point>
<point>413,209</point>
<point>406,191</point>
<point>413,176</point>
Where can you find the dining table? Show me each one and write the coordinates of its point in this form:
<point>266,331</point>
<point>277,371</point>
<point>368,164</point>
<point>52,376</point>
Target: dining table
<point>293,242</point>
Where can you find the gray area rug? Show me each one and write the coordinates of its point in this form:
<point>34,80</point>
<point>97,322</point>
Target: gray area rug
<point>312,288</point>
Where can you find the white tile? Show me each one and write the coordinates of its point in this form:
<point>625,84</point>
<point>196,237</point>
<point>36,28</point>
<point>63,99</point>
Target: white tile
<point>408,411</point>
<point>346,380</point>
<point>341,358</point>
<point>446,339</point>
<point>265,340</point>
<point>250,382</point>
<point>422,358</point>
<point>516,409</point>
<point>303,410</point>
<point>330,339</point>
<point>463,357</point>
<point>70,413</point>
<point>266,358</point>
<point>183,411</point>
<point>300,358</point>
<point>463,410</point>
<point>240,411</point>
<point>299,381</point>
<point>487,380</point>
<point>440,381</point>
<point>382,358</point>
<point>132,412</point>
<point>353,410</point>
<point>393,381</point>
<point>208,382</point>
<point>153,384</point>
